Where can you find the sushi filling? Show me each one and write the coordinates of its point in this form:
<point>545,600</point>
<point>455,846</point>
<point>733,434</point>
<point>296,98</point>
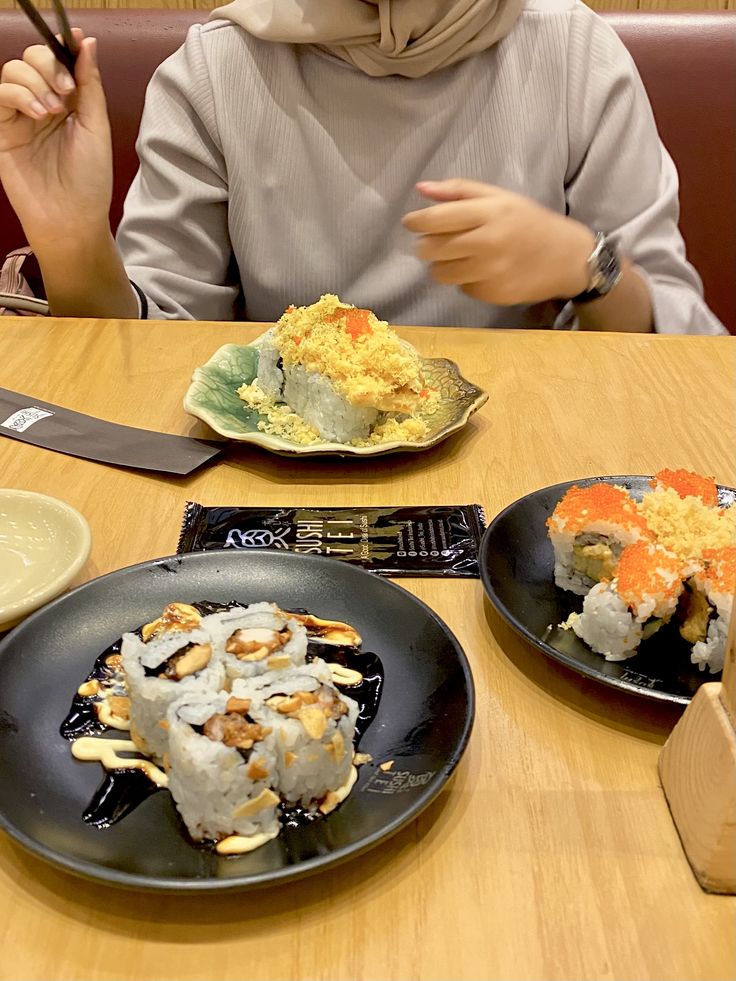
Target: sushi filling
<point>176,616</point>
<point>595,557</point>
<point>234,730</point>
<point>256,643</point>
<point>312,708</point>
<point>695,613</point>
<point>187,661</point>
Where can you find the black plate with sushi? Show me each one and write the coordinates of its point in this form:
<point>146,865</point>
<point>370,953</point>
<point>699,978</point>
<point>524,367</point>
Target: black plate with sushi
<point>136,837</point>
<point>517,563</point>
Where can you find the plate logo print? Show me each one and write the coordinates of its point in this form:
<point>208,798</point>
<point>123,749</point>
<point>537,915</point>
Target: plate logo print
<point>24,418</point>
<point>397,781</point>
<point>256,538</point>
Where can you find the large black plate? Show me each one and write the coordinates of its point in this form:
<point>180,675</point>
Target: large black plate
<point>517,570</point>
<point>423,721</point>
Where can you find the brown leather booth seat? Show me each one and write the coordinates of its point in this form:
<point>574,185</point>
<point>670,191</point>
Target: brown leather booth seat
<point>687,61</point>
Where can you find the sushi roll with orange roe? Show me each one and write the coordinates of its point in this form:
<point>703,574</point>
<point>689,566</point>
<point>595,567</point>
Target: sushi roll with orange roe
<point>707,605</point>
<point>589,529</point>
<point>688,484</point>
<point>619,614</point>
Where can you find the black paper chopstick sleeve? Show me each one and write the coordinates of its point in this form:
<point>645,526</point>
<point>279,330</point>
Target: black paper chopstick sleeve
<point>54,427</point>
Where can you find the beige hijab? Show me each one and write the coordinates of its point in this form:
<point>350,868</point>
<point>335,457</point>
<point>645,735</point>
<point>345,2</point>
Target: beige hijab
<point>381,37</point>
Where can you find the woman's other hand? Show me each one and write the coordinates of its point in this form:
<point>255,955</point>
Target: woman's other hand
<point>498,246</point>
<point>55,147</point>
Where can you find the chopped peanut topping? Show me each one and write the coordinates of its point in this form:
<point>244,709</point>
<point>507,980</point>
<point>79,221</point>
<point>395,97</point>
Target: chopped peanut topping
<point>286,704</point>
<point>235,731</point>
<point>257,770</point>
<point>240,705</point>
<point>329,802</point>
<point>196,657</point>
<point>176,616</point>
<point>335,631</point>
<point>313,719</point>
<point>255,643</point>
<point>336,746</point>
<point>266,798</point>
<point>119,706</point>
<point>89,688</point>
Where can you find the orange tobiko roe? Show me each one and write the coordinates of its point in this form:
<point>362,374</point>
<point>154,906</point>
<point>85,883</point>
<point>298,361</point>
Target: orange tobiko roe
<point>720,572</point>
<point>582,505</point>
<point>688,484</point>
<point>356,320</point>
<point>646,569</point>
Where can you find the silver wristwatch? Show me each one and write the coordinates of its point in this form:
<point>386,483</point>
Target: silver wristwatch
<point>604,270</point>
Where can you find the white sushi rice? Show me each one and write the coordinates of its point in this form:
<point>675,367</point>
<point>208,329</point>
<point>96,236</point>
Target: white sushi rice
<point>306,754</point>
<point>567,576</point>
<point>607,625</point>
<point>209,781</point>
<point>313,397</point>
<point>311,761</point>
<point>711,652</point>
<point>151,696</point>
<point>307,677</point>
<point>258,617</point>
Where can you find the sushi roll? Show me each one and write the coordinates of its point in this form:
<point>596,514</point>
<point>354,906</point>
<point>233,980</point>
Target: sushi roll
<point>589,529</point>
<point>619,614</point>
<point>252,640</point>
<point>173,657</point>
<point>686,483</point>
<point>314,729</point>
<point>221,765</point>
<point>340,369</point>
<point>707,607</point>
<point>684,515</point>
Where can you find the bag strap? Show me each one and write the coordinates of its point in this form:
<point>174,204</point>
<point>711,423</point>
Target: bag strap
<point>16,294</point>
<point>12,279</point>
<point>18,301</point>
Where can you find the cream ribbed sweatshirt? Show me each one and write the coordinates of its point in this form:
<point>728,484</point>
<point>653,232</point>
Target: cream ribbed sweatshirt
<point>273,173</point>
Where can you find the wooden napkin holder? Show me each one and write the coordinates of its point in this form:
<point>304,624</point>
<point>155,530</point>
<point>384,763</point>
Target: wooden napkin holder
<point>697,768</point>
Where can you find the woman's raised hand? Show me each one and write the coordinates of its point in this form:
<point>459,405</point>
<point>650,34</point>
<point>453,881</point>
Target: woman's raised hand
<point>498,246</point>
<point>55,147</point>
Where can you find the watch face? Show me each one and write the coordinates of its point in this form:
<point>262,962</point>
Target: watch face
<point>605,270</point>
<point>608,271</point>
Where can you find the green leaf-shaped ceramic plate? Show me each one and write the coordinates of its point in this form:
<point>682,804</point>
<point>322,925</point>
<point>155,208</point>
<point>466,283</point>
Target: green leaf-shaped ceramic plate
<point>213,398</point>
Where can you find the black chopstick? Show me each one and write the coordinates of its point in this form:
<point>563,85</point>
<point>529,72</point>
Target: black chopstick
<point>64,53</point>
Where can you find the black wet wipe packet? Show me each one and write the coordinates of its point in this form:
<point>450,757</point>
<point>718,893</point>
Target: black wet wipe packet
<point>437,540</point>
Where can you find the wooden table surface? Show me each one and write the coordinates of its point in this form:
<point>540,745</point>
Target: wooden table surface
<point>551,852</point>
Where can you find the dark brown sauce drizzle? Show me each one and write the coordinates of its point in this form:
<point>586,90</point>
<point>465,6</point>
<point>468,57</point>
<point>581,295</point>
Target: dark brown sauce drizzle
<point>121,791</point>
<point>82,718</point>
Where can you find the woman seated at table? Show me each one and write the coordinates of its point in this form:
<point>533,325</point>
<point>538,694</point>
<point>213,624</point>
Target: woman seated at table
<point>282,144</point>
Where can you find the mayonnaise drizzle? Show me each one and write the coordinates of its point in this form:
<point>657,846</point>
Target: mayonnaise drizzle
<point>342,792</point>
<point>240,844</point>
<point>106,752</point>
<point>335,797</point>
<point>109,718</point>
<point>344,676</point>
